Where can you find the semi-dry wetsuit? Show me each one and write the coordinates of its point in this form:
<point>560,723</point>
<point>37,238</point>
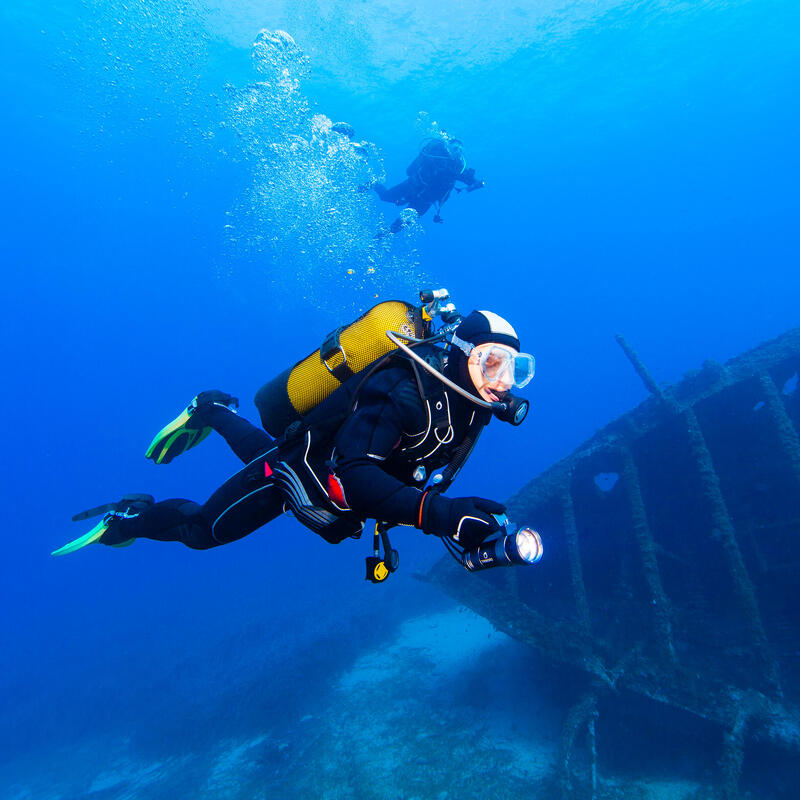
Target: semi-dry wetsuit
<point>373,465</point>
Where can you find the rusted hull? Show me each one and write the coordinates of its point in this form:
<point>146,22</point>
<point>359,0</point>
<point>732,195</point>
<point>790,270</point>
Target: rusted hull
<point>672,546</point>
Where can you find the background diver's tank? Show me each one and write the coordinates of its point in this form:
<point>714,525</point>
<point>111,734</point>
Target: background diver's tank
<point>344,352</point>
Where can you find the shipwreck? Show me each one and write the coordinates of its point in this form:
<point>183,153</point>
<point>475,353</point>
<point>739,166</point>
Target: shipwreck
<point>672,549</point>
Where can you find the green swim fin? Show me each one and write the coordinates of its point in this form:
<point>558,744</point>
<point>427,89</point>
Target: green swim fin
<point>93,536</point>
<point>129,506</point>
<point>184,433</point>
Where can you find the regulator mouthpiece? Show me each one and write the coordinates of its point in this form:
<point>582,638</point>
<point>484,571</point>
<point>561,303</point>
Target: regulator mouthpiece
<point>512,409</point>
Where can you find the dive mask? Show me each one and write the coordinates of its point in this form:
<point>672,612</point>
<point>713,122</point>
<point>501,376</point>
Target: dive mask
<point>499,363</point>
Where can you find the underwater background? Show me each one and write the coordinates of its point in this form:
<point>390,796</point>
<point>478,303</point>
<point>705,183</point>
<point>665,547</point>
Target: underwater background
<point>179,215</point>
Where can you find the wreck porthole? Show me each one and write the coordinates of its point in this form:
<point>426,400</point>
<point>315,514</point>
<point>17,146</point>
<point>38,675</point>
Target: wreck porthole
<point>759,405</point>
<point>791,385</point>
<point>605,481</point>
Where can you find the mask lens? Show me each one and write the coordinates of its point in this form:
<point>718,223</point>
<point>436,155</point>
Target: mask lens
<point>524,367</point>
<point>496,365</point>
<point>513,369</point>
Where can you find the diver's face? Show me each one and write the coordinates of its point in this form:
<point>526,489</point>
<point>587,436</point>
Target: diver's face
<point>491,370</point>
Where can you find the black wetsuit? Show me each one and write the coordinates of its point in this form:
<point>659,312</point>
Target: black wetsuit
<point>431,177</point>
<point>366,467</point>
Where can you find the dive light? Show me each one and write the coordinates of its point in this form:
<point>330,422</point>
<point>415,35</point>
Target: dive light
<point>522,547</point>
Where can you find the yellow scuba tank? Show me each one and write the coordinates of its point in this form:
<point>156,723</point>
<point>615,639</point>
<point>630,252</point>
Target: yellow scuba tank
<point>344,352</point>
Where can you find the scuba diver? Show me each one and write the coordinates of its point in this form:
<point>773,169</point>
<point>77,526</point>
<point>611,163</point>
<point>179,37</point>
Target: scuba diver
<point>432,176</point>
<point>387,438</point>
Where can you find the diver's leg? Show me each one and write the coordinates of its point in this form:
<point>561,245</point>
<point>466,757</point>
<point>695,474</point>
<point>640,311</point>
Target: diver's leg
<point>420,206</point>
<point>396,194</point>
<point>245,439</point>
<point>244,503</point>
<point>174,520</point>
<point>190,428</point>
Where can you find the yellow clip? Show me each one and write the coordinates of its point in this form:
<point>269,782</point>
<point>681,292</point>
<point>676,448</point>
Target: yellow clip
<point>380,572</point>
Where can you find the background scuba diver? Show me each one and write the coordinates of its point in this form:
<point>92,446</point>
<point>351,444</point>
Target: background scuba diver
<point>368,457</point>
<point>432,176</point>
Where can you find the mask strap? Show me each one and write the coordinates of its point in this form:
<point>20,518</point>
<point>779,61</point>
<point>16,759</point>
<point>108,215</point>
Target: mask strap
<point>465,347</point>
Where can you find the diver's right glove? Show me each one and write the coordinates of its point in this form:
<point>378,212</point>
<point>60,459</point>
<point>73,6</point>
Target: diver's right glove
<point>465,520</point>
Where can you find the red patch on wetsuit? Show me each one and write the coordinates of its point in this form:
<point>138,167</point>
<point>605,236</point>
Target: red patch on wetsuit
<point>267,470</point>
<point>336,491</point>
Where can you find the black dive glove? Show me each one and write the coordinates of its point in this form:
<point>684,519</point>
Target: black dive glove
<point>465,520</point>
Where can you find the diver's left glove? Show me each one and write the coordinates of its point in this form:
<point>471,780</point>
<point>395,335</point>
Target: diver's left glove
<point>465,520</point>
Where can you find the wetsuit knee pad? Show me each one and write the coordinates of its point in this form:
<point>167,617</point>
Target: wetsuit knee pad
<point>195,529</point>
<point>189,508</point>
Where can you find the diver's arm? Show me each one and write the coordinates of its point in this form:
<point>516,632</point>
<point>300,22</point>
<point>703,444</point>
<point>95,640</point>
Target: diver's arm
<point>468,177</point>
<point>363,443</point>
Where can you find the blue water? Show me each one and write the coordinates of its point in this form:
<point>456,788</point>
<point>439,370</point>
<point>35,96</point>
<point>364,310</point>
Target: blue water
<point>176,216</point>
